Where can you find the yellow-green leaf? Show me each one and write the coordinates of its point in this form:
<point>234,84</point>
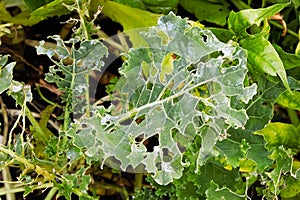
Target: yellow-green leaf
<point>290,100</point>
<point>277,134</point>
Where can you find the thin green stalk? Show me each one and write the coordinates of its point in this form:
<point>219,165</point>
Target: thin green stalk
<point>69,101</point>
<point>276,24</point>
<point>87,37</point>
<point>38,130</point>
<point>22,189</point>
<point>44,98</point>
<point>5,170</point>
<point>263,3</point>
<point>138,181</point>
<point>293,117</point>
<point>51,193</point>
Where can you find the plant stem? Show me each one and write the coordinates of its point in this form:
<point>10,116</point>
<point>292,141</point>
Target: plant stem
<point>138,181</point>
<point>51,193</point>
<point>44,98</point>
<point>5,170</point>
<point>86,35</point>
<point>22,189</point>
<point>38,130</point>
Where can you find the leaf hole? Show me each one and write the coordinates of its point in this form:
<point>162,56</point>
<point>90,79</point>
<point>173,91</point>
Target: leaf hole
<point>204,38</point>
<point>214,54</point>
<point>151,142</point>
<point>229,63</point>
<point>139,119</point>
<point>149,86</point>
<point>167,155</point>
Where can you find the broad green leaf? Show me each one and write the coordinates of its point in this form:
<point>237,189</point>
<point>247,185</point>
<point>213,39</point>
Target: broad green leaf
<point>132,3</point>
<point>217,173</point>
<point>53,8</point>
<point>277,134</point>
<point>6,73</point>
<point>240,21</point>
<point>290,61</point>
<point>210,11</point>
<point>157,6</point>
<point>262,57</point>
<point>138,19</point>
<point>192,80</point>
<point>122,13</point>
<point>224,35</point>
<point>290,100</point>
<point>21,18</point>
<point>161,6</point>
<point>33,4</point>
<point>28,17</point>
<point>214,192</point>
<point>233,150</point>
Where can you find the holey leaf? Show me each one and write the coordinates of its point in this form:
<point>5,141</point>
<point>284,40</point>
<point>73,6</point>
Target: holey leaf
<point>179,86</point>
<point>71,77</point>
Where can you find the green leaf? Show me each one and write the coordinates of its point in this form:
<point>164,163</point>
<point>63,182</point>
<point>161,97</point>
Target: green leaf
<point>214,192</point>
<point>277,134</point>
<point>20,92</point>
<point>262,57</point>
<point>6,73</point>
<point>161,6</point>
<point>53,8</point>
<point>233,150</point>
<point>283,160</point>
<point>260,112</point>
<point>218,174</point>
<point>46,113</point>
<point>70,182</point>
<point>122,13</point>
<point>132,3</point>
<point>290,100</point>
<point>292,188</point>
<point>240,21</point>
<point>71,79</point>
<point>28,17</point>
<point>224,35</point>
<point>290,61</point>
<point>181,85</point>
<point>156,6</point>
<point>33,4</point>
<point>210,11</point>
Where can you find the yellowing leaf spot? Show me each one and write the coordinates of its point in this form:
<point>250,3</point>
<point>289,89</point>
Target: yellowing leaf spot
<point>166,67</point>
